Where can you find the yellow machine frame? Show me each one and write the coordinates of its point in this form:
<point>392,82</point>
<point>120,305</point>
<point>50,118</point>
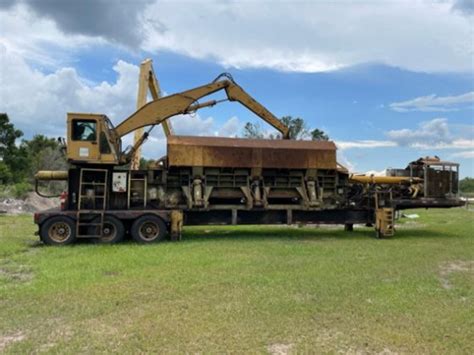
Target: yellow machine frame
<point>147,82</point>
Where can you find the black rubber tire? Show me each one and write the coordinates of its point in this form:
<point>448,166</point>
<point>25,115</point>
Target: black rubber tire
<point>113,224</point>
<point>59,230</point>
<point>148,229</point>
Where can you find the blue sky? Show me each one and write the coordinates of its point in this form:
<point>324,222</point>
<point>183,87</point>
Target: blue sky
<point>390,99</point>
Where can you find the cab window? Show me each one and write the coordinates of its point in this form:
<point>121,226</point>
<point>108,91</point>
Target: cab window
<point>84,130</point>
<point>104,144</point>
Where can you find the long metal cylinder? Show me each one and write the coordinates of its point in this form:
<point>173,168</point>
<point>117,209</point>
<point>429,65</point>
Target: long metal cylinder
<point>51,175</point>
<point>371,179</point>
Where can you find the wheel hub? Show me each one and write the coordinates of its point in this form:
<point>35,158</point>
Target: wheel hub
<point>59,232</point>
<point>149,231</point>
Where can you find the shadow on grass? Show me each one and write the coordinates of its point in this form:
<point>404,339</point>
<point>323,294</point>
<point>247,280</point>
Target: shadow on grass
<point>304,234</point>
<point>424,234</point>
<point>281,233</point>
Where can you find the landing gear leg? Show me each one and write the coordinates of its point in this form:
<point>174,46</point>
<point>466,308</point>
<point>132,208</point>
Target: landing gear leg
<point>176,225</point>
<point>348,227</point>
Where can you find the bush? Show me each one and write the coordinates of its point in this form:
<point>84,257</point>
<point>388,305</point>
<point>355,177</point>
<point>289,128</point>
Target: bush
<point>5,173</point>
<point>21,189</point>
<point>18,190</point>
<point>466,185</point>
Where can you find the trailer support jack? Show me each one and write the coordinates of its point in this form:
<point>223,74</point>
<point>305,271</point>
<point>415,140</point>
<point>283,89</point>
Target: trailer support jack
<point>176,225</point>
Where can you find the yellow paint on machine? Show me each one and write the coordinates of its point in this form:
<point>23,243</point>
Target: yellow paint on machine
<point>388,180</point>
<point>51,175</point>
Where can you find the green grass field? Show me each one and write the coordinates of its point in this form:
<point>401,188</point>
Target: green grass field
<point>244,289</point>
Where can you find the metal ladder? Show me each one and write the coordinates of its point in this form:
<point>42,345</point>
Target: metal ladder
<point>91,203</point>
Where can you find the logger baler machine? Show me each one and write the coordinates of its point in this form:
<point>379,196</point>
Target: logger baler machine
<point>215,180</point>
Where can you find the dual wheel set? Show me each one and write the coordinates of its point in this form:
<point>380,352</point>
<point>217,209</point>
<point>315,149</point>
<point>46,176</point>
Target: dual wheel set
<point>61,230</point>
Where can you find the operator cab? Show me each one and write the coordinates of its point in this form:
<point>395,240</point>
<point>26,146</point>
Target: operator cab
<point>90,139</point>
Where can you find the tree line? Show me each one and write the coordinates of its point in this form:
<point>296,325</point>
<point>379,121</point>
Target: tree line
<point>20,158</point>
<point>467,185</point>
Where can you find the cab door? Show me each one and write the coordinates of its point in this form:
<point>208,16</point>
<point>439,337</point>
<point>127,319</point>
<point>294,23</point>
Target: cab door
<point>83,139</point>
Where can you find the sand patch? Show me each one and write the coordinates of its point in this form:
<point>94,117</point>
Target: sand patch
<point>18,274</point>
<point>6,340</point>
<point>448,268</point>
<point>279,349</point>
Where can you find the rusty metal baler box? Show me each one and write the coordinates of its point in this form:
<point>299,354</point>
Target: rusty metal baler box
<point>250,153</point>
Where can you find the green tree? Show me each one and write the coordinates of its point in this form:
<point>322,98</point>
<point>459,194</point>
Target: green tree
<point>5,173</point>
<point>40,142</point>
<point>147,163</point>
<point>297,127</point>
<point>8,135</point>
<point>319,135</point>
<point>14,159</point>
<point>297,130</point>
<point>253,130</point>
<point>466,185</point>
<point>49,159</point>
<point>43,154</point>
<point>19,163</point>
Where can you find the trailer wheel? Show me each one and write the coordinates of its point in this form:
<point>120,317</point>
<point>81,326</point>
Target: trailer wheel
<point>59,230</point>
<point>113,231</point>
<point>148,229</point>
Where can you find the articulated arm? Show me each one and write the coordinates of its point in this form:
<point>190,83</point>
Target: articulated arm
<point>236,93</point>
<point>157,111</point>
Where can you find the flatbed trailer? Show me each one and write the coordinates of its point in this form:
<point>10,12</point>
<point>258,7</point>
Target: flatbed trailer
<point>123,221</point>
<point>175,219</point>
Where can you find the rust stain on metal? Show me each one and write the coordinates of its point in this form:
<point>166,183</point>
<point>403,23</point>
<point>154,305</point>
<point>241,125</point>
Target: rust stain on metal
<point>250,153</point>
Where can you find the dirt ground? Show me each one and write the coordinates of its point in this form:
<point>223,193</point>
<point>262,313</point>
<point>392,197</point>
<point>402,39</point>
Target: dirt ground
<point>32,203</point>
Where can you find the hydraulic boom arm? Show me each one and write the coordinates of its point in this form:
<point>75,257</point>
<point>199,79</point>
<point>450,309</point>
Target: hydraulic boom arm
<point>157,111</point>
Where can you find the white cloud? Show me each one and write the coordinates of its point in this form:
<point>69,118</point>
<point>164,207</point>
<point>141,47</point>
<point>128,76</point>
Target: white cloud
<point>38,102</point>
<point>460,143</point>
<point>371,144</point>
<point>434,132</point>
<point>38,39</point>
<point>463,143</point>
<point>194,125</point>
<point>433,103</point>
<point>346,163</point>
<point>118,22</point>
<point>231,128</point>
<point>376,173</point>
<point>302,36</point>
<point>465,7</point>
<point>365,144</point>
<point>315,36</point>
<point>469,154</point>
